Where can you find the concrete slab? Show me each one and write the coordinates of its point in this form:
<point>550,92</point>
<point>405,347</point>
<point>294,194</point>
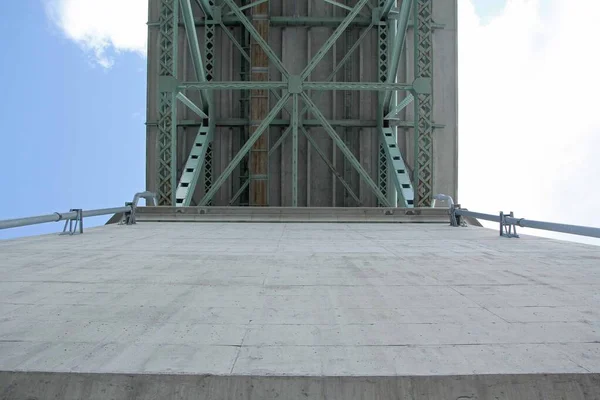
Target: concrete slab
<point>299,300</point>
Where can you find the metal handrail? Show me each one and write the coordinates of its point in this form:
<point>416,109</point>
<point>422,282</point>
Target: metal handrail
<point>508,222</point>
<point>77,214</point>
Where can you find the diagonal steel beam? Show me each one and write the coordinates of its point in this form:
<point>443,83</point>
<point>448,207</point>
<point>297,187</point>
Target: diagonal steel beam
<point>347,152</point>
<point>193,166</point>
<point>387,7</point>
<point>332,39</point>
<point>399,173</point>
<point>248,6</point>
<point>239,192</point>
<point>244,150</point>
<point>258,38</point>
<point>190,104</point>
<point>190,29</point>
<point>205,6</point>
<point>397,48</point>
<point>401,106</point>
<point>331,167</point>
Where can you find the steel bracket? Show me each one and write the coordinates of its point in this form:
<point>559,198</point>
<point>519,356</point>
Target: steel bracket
<point>422,86</point>
<point>74,225</point>
<point>376,16</point>
<point>167,84</point>
<point>295,84</point>
<point>216,15</point>
<point>507,230</point>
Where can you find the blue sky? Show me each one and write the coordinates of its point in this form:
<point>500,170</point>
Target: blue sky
<point>74,107</point>
<point>73,132</point>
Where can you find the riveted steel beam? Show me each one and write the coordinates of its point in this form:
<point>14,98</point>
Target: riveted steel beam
<point>345,150</point>
<point>244,150</point>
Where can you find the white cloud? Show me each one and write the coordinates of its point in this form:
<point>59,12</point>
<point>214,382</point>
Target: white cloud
<point>104,27</point>
<point>529,125</point>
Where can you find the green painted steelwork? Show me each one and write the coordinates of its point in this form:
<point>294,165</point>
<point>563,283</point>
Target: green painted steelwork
<point>331,167</point>
<point>400,106</point>
<point>332,39</point>
<point>192,36</point>
<point>257,37</point>
<point>206,7</point>
<point>335,3</point>
<point>247,6</point>
<point>193,166</point>
<point>167,110</point>
<point>398,170</point>
<point>210,57</point>
<point>241,190</point>
<point>386,7</point>
<point>399,39</point>
<point>347,152</point>
<point>383,33</point>
<point>270,85</point>
<point>423,103</point>
<point>244,150</point>
<point>306,21</point>
<point>295,151</point>
<point>190,104</point>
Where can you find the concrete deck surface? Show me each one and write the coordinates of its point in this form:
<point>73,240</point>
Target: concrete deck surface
<point>284,299</point>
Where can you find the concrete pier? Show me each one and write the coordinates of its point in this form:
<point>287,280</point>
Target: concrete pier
<point>298,310</point>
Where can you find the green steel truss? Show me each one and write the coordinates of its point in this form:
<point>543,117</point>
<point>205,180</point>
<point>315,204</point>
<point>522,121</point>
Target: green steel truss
<point>167,110</point>
<point>423,21</point>
<point>391,19</point>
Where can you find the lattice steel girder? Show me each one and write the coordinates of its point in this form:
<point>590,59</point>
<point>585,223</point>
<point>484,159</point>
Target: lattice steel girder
<point>193,166</point>
<point>295,151</point>
<point>192,36</point>
<point>400,106</point>
<point>257,37</point>
<point>305,21</point>
<point>400,175</point>
<point>423,103</point>
<point>166,167</point>
<point>397,47</point>
<point>345,150</point>
<point>332,39</point>
<point>244,150</point>
<point>331,167</point>
<point>190,104</point>
<point>270,85</point>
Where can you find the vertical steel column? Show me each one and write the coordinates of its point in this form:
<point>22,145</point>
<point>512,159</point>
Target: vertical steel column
<point>259,108</point>
<point>423,20</point>
<point>209,56</point>
<point>348,100</point>
<point>245,75</point>
<point>295,151</point>
<point>382,49</point>
<point>167,107</point>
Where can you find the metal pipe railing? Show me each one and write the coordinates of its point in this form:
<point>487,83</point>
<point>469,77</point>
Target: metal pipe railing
<point>508,222</point>
<point>78,215</point>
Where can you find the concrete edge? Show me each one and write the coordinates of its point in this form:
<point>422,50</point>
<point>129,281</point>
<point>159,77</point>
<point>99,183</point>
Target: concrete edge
<point>69,386</point>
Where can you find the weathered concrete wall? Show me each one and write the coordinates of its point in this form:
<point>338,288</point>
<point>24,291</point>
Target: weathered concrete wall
<point>68,386</point>
<point>295,46</point>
